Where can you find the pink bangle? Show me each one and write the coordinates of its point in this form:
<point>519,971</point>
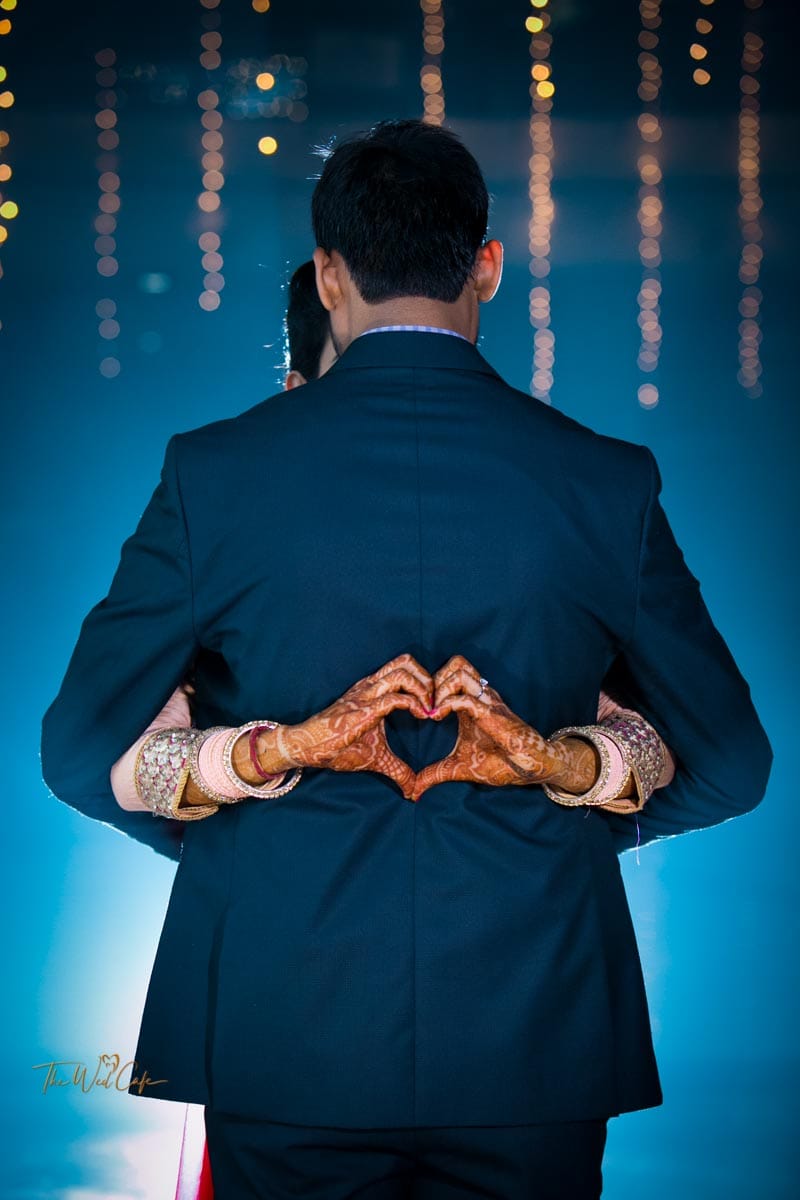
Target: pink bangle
<point>209,762</point>
<point>618,770</point>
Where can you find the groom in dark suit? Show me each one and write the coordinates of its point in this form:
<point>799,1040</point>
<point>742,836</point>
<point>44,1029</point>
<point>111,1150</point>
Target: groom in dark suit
<point>451,987</point>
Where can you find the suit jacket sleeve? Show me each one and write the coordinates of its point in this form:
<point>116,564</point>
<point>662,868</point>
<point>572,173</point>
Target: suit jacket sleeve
<point>134,648</point>
<point>678,672</point>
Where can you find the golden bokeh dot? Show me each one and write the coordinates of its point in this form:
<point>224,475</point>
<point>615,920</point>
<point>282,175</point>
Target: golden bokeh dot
<point>8,210</point>
<point>701,76</point>
<point>267,145</point>
<point>261,6</point>
<point>265,80</point>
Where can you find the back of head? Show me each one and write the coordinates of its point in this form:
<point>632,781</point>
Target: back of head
<point>407,208</point>
<point>306,323</point>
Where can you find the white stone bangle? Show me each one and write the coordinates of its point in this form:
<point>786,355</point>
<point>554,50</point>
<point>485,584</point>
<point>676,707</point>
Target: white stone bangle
<point>161,772</point>
<point>265,790</point>
<point>595,793</point>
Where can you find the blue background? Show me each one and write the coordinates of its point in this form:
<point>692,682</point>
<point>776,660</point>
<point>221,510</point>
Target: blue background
<point>715,912</point>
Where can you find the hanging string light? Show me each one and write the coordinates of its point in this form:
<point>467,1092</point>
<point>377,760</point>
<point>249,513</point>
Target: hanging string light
<point>108,204</point>
<point>430,75</point>
<point>651,204</point>
<point>8,207</point>
<point>208,201</point>
<point>750,204</point>
<point>540,165</point>
<point>698,50</point>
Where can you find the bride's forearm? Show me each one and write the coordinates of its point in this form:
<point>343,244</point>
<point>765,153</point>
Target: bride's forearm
<point>580,768</point>
<point>270,758</point>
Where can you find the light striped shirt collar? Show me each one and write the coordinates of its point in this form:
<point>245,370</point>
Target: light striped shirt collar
<point>414,329</point>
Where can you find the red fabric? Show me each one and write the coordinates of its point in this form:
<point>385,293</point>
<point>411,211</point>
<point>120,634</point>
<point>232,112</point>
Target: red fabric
<point>194,1168</point>
<point>205,1190</point>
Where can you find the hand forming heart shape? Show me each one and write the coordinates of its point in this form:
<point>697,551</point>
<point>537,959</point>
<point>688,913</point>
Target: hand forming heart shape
<point>494,745</point>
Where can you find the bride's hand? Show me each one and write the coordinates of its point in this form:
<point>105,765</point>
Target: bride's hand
<point>494,745</point>
<point>350,734</point>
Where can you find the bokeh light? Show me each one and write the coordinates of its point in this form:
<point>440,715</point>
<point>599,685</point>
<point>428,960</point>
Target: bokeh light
<point>540,166</point>
<point>209,200</point>
<point>430,76</point>
<point>749,213</point>
<point>651,205</point>
<point>108,203</point>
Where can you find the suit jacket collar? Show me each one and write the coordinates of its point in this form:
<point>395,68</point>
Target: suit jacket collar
<point>407,348</point>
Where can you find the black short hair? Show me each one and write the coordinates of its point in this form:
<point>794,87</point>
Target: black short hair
<point>306,323</point>
<point>407,208</point>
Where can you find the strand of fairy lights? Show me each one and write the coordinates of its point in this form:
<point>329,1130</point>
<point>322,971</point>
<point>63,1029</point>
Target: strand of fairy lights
<point>698,51</point>
<point>430,75</point>
<point>651,205</point>
<point>750,204</point>
<point>209,201</point>
<point>540,165</point>
<point>108,204</point>
<point>8,208</point>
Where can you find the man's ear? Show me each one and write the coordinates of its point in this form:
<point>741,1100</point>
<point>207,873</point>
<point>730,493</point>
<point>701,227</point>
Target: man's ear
<point>488,270</point>
<point>294,379</point>
<point>328,286</point>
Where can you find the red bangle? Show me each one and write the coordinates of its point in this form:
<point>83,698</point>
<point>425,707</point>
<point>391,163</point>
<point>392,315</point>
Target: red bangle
<point>254,756</point>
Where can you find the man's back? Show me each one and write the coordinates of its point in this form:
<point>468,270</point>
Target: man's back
<point>342,956</point>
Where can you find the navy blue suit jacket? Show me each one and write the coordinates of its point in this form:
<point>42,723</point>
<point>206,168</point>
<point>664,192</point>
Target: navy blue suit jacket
<point>340,955</point>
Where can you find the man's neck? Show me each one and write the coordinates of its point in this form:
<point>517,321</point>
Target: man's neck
<point>416,310</point>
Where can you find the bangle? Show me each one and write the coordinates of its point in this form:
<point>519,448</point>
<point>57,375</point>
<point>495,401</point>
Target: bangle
<point>194,768</point>
<point>644,749</point>
<point>161,772</point>
<point>594,794</point>
<point>267,789</point>
<point>254,732</point>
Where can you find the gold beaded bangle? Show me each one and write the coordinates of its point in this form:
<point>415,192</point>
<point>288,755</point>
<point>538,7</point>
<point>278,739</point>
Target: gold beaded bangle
<point>643,749</point>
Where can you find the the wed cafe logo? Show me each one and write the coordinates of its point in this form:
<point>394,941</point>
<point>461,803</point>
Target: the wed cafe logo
<point>108,1074</point>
